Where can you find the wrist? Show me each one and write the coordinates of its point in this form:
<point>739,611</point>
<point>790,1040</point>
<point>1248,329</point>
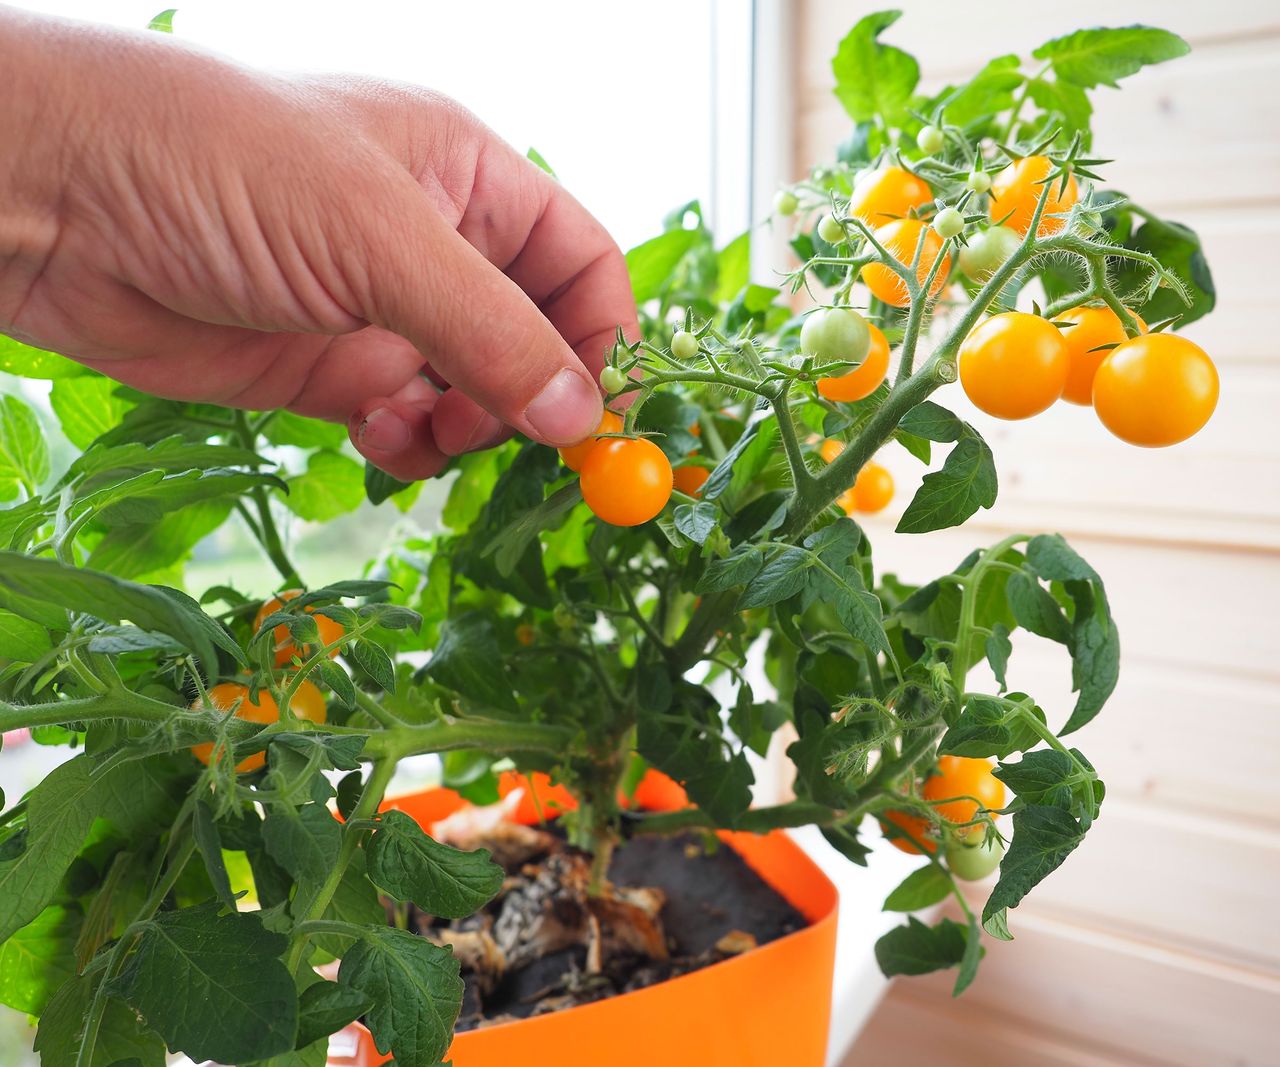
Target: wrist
<point>34,130</point>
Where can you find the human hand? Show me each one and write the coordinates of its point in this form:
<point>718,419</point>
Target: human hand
<point>347,249</point>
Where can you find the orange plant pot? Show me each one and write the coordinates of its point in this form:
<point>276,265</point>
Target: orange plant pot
<point>767,1007</point>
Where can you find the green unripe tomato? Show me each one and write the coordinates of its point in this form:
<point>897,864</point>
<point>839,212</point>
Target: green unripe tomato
<point>931,139</point>
<point>835,334</point>
<point>785,202</point>
<point>684,345</point>
<point>971,862</point>
<point>612,380</point>
<point>563,617</point>
<point>948,222</point>
<point>987,252</point>
<point>979,181</point>
<point>830,230</point>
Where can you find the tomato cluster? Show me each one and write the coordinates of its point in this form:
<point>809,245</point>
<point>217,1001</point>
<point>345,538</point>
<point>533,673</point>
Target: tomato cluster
<point>959,790</point>
<point>872,489</point>
<point>1151,390</point>
<point>626,481</point>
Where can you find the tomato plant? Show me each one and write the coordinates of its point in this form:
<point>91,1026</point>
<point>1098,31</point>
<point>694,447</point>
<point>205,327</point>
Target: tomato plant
<point>567,623</point>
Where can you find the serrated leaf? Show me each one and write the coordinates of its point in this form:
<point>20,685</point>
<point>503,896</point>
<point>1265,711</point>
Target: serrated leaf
<point>737,569</point>
<point>230,966</point>
<point>21,639</point>
<point>87,406</point>
<point>304,842</point>
<point>28,362</point>
<point>468,660</point>
<point>415,990</point>
<point>1035,609</point>
<point>331,486</point>
<point>37,959</point>
<point>947,497</point>
<point>209,844</point>
<point>1103,56</point>
<point>327,1007</point>
<point>373,659</point>
<point>650,265</point>
<point>1042,838</point>
<point>24,453</point>
<point>998,649</point>
<point>992,726</point>
<point>121,1037</point>
<point>874,80</point>
<point>696,521</point>
<point>407,864</point>
<point>337,679</point>
<point>286,428</point>
<point>920,889</point>
<point>919,949</point>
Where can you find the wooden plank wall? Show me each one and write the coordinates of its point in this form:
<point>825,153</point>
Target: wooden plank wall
<point>1158,942</point>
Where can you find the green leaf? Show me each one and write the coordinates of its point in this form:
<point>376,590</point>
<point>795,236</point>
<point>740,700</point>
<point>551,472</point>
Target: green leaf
<point>651,264</point>
<point>933,422</point>
<point>230,966</point>
<point>286,428</point>
<point>163,22</point>
<point>86,406</point>
<point>37,959</point>
<point>919,949</point>
<point>947,497</point>
<point>327,1007</point>
<point>1056,561</point>
<point>415,990</point>
<point>136,551</point>
<point>407,864</point>
<point>24,453</point>
<point>103,465</point>
<point>920,889</point>
<point>304,842</point>
<point>333,485</point>
<point>873,79</point>
<point>121,1037</point>
<point>149,497</point>
<point>60,811</point>
<point>973,953</point>
<point>1095,653</point>
<point>209,844</point>
<point>784,574</point>
<point>512,543</point>
<point>993,726</point>
<point>1047,778</point>
<point>999,648</point>
<point>21,639</point>
<point>468,660</point>
<point>1036,610</point>
<point>537,158</point>
<point>1094,57</point>
<point>733,268</point>
<point>1178,248</point>
<point>1067,106</point>
<point>696,521</point>
<point>986,94</point>
<point>29,585</point>
<point>373,659</point>
<point>337,679</point>
<point>379,486</point>
<point>27,362</point>
<point>1042,838</point>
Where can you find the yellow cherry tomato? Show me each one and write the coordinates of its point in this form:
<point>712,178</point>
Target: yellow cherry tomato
<point>574,456</point>
<point>862,381</point>
<point>626,481</point>
<point>1155,390</point>
<point>901,239</point>
<point>889,193</point>
<point>223,697</point>
<point>690,479</point>
<point>1014,365</point>
<point>1016,191</point>
<point>1090,328</point>
<point>285,649</point>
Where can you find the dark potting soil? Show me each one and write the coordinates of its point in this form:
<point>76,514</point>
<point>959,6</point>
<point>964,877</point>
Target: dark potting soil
<point>673,906</point>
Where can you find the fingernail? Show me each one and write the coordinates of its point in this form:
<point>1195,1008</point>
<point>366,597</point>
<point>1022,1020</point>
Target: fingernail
<point>567,409</point>
<point>384,431</point>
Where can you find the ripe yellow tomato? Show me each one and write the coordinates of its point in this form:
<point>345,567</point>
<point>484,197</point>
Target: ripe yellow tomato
<point>308,703</point>
<point>330,631</point>
<point>966,786</point>
<point>830,449</point>
<point>1090,329</point>
<point>690,479</point>
<point>574,456</point>
<point>1155,390</point>
<point>223,697</point>
<point>873,489</point>
<point>1014,365</point>
<point>626,481</point>
<point>901,238</point>
<point>916,825</point>
<point>862,381</point>
<point>1016,191</point>
<point>880,196</point>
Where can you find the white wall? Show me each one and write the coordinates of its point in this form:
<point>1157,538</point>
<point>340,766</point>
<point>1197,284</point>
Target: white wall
<point>1157,942</point>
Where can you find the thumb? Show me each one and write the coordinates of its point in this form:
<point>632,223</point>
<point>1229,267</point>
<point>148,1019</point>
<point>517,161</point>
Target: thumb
<point>471,322</point>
